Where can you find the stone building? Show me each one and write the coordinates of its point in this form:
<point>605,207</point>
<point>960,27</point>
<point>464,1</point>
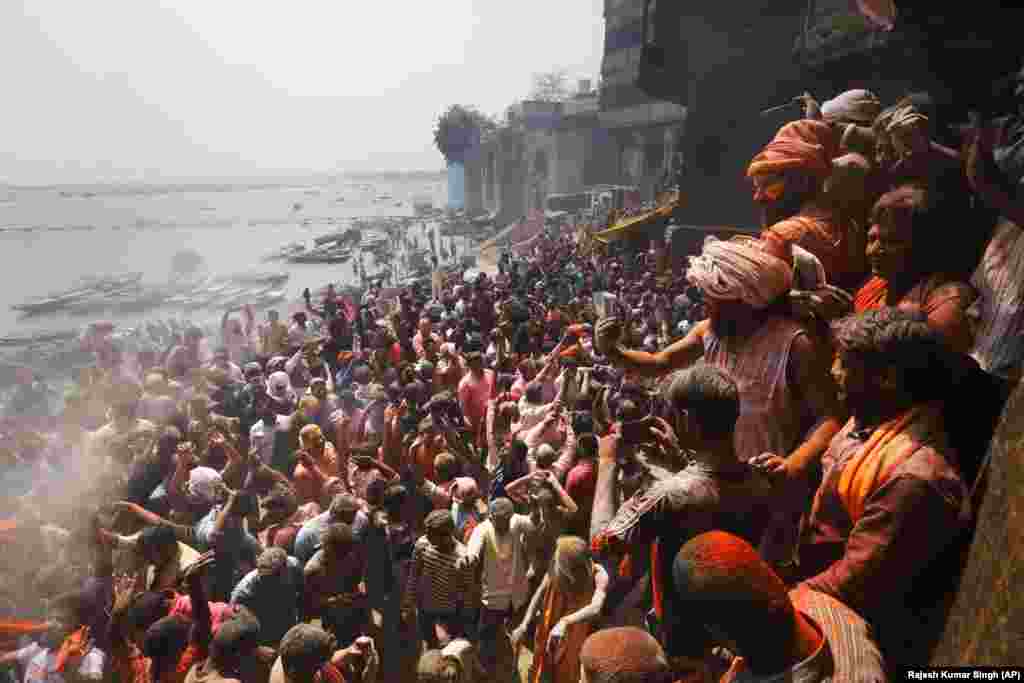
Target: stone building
<point>727,62</point>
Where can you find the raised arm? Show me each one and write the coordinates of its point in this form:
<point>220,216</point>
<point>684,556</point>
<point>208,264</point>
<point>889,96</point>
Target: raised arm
<point>202,619</point>
<point>606,491</point>
<point>534,436</point>
<point>181,532</point>
<point>569,506</point>
<point>681,354</point>
<point>567,456</point>
<point>293,362</point>
<point>808,369</point>
<point>517,489</point>
<point>987,180</point>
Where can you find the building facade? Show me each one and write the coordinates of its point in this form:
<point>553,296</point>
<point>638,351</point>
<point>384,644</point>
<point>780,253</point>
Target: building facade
<point>728,62</point>
<point>645,130</point>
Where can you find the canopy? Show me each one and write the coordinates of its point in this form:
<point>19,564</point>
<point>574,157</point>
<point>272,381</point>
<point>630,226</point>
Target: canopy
<point>625,227</point>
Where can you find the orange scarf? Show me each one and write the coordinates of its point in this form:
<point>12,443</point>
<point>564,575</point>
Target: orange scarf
<point>14,628</point>
<point>871,295</point>
<point>887,447</point>
<point>8,530</point>
<point>74,647</point>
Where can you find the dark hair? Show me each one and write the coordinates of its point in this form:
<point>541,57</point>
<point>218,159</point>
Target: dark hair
<point>394,497</point>
<point>304,649</point>
<point>375,491</point>
<point>920,209</point>
<point>246,504</point>
<point>902,339</point>
<point>281,497</point>
<point>146,609</point>
<point>518,450</point>
<point>235,637</point>
<point>710,394</point>
<point>154,538</point>
<point>586,444</point>
<point>582,422</point>
<point>338,536</point>
<point>164,642</point>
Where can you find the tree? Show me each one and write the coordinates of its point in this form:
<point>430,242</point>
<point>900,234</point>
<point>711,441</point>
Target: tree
<point>459,129</point>
<point>552,86</point>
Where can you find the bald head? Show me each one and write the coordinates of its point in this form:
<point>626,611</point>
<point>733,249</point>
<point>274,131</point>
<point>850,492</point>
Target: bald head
<point>623,655</point>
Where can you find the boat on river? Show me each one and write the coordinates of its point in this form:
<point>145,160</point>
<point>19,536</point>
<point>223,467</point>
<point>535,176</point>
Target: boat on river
<point>330,252</point>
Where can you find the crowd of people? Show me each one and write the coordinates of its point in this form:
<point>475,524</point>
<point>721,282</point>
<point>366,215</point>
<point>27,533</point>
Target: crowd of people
<point>581,467</point>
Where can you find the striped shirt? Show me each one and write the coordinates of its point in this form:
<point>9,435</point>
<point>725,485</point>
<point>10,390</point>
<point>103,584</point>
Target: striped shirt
<point>438,581</point>
<point>848,654</point>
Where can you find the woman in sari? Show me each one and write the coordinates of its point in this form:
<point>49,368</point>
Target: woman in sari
<point>573,594</point>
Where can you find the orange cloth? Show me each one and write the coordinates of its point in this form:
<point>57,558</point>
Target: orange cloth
<point>799,145</point>
<point>8,528</point>
<point>13,628</point>
<point>572,351</point>
<point>307,487</point>
<point>74,647</point>
<point>819,234</point>
<point>657,585</point>
<point>888,446</point>
<point>562,666</point>
<point>871,295</point>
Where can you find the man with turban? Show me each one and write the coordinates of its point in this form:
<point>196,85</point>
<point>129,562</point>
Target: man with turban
<point>859,107</point>
<point>781,369</point>
<point>788,176</point>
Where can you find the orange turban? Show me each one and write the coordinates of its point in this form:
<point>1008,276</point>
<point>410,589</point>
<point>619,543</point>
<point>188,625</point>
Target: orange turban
<point>804,145</point>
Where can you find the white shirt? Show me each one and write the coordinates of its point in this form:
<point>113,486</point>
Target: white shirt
<point>39,664</point>
<point>505,562</point>
<point>262,439</point>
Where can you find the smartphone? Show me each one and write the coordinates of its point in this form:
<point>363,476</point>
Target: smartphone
<point>637,431</point>
<point>606,304</point>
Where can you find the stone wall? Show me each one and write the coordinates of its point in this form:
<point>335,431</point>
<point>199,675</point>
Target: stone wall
<point>986,623</point>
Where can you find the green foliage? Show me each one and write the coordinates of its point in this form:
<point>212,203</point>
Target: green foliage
<point>459,129</point>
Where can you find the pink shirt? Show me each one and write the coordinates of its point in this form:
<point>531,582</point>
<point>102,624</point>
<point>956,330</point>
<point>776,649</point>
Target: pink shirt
<point>417,342</point>
<point>474,392</point>
<point>219,611</point>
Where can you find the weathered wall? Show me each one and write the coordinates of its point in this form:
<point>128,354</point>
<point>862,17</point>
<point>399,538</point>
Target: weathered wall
<point>986,623</point>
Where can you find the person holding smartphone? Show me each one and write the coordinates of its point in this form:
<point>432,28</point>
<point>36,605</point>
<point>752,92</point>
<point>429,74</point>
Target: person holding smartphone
<point>714,491</point>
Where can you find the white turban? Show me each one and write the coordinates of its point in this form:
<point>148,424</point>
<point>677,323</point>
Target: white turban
<point>740,270</point>
<point>852,106</point>
<point>204,483</point>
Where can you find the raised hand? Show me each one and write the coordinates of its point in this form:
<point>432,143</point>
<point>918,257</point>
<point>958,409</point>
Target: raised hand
<point>124,591</point>
<point>607,336</point>
<point>665,435</point>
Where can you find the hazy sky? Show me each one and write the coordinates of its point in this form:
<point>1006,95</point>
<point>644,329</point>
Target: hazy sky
<point>159,90</point>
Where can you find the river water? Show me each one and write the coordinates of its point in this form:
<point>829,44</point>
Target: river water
<point>44,246</point>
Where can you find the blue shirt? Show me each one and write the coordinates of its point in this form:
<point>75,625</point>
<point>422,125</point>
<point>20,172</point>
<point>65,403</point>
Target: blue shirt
<point>235,547</point>
<point>274,600</point>
<point>307,541</point>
